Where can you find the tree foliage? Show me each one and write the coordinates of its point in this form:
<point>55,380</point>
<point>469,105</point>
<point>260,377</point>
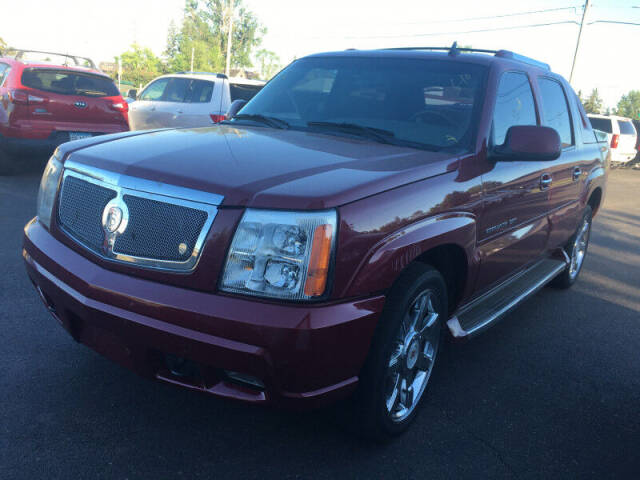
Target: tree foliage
<point>205,30</point>
<point>268,63</point>
<point>140,65</point>
<point>629,105</point>
<point>593,103</point>
<point>3,44</point>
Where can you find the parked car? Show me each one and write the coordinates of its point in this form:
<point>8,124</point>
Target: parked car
<point>318,245</point>
<point>188,99</point>
<point>621,134</point>
<point>43,105</point>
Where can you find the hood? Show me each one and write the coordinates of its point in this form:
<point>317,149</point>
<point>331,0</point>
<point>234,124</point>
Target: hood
<point>263,167</point>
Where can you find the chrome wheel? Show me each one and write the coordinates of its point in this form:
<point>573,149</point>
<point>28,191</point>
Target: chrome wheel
<point>579,249</point>
<point>413,356</point>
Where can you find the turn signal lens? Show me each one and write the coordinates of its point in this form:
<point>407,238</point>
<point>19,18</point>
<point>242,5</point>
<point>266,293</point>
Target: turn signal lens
<point>319,261</point>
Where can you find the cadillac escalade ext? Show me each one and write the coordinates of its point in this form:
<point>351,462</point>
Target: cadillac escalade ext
<point>323,241</point>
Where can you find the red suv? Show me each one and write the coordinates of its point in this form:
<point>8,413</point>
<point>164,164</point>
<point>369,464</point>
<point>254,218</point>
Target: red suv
<point>43,105</point>
<point>362,205</point>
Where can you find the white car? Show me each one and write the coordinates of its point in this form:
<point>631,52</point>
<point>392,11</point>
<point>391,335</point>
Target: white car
<point>621,135</point>
<point>188,99</point>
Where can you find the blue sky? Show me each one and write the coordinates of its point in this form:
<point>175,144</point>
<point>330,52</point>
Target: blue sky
<point>607,60</point>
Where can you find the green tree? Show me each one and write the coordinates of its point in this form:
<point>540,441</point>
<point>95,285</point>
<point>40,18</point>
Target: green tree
<point>629,105</point>
<point>204,31</point>
<point>593,103</point>
<point>3,45</point>
<point>140,65</point>
<point>268,63</point>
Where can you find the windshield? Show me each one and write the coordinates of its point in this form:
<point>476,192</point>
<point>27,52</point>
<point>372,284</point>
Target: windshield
<point>417,102</point>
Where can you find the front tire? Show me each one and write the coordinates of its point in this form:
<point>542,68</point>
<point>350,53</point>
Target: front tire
<point>576,249</point>
<point>403,353</point>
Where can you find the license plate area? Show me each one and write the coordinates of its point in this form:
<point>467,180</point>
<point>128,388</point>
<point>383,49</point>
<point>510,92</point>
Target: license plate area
<point>78,135</point>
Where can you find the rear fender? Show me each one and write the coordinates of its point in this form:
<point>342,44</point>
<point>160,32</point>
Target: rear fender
<point>389,257</point>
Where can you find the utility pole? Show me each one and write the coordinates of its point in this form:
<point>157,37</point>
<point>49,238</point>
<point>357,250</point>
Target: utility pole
<point>192,50</point>
<point>230,14</point>
<point>575,55</point>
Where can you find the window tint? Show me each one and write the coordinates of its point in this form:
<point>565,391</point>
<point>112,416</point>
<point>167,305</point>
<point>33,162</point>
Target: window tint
<point>420,103</point>
<point>176,90</point>
<point>602,124</point>
<point>69,83</point>
<point>200,91</point>
<point>514,105</point>
<point>239,91</point>
<point>155,90</point>
<point>555,110</point>
<point>626,128</point>
<point>583,124</point>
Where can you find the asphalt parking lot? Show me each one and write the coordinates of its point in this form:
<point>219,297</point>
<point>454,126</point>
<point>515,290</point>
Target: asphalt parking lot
<point>553,391</point>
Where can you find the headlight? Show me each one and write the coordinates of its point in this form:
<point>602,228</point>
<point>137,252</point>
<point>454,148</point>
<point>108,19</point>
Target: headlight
<point>48,189</point>
<point>281,254</point>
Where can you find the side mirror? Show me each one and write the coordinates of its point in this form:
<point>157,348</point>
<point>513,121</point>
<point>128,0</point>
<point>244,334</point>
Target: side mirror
<point>234,108</point>
<point>529,142</point>
<point>133,93</point>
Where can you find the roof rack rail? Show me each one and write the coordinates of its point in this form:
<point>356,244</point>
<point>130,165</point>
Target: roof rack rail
<point>455,50</point>
<point>188,72</point>
<point>77,60</point>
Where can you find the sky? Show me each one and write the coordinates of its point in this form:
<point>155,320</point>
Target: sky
<point>607,58</point>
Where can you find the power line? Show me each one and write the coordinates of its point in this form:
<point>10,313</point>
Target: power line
<point>564,22</point>
<point>613,21</point>
<point>491,17</point>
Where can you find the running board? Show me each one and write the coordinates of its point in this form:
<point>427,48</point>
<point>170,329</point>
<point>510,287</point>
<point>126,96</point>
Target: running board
<point>486,310</point>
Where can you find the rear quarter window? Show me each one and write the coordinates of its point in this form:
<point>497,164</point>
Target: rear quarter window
<point>66,82</point>
<point>239,91</point>
<point>602,124</point>
<point>200,91</point>
<point>626,128</point>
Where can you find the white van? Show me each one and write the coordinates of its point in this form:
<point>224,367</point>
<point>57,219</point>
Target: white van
<point>621,135</point>
<point>188,99</point>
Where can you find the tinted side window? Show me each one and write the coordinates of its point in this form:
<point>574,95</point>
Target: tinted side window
<point>514,105</point>
<point>602,124</point>
<point>555,110</point>
<point>626,128</point>
<point>200,91</point>
<point>583,124</point>
<point>239,91</point>
<point>176,90</point>
<point>155,90</point>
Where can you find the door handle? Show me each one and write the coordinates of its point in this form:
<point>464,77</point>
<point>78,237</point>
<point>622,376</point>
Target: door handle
<point>179,111</point>
<point>545,181</point>
<point>576,173</point>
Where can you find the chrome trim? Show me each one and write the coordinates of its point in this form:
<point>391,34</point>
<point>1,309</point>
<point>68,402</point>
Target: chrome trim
<point>138,187</point>
<point>159,189</point>
<point>457,331</point>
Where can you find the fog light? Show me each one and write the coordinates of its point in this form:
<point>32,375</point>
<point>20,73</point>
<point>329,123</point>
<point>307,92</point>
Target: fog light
<point>244,379</point>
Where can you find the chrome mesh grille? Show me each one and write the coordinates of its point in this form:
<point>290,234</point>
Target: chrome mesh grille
<point>158,230</point>
<point>80,210</point>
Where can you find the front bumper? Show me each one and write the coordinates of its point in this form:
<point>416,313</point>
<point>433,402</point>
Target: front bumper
<point>305,355</point>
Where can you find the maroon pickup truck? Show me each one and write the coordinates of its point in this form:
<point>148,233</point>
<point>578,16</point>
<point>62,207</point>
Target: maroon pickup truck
<point>323,241</point>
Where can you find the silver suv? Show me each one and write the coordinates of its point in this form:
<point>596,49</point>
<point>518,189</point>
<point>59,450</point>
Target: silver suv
<point>188,99</point>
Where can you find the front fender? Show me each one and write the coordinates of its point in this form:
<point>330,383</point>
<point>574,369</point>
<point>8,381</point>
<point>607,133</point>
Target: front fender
<point>391,255</point>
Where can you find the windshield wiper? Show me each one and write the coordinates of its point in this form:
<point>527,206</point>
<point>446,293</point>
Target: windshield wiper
<point>383,136</point>
<point>266,119</point>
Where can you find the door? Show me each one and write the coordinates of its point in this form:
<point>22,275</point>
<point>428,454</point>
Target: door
<point>566,173</point>
<point>143,112</point>
<point>513,227</point>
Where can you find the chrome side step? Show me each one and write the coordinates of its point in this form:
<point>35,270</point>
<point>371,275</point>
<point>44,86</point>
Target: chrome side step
<point>486,310</point>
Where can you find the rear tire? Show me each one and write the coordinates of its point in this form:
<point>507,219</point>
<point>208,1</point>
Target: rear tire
<point>576,249</point>
<point>403,353</point>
